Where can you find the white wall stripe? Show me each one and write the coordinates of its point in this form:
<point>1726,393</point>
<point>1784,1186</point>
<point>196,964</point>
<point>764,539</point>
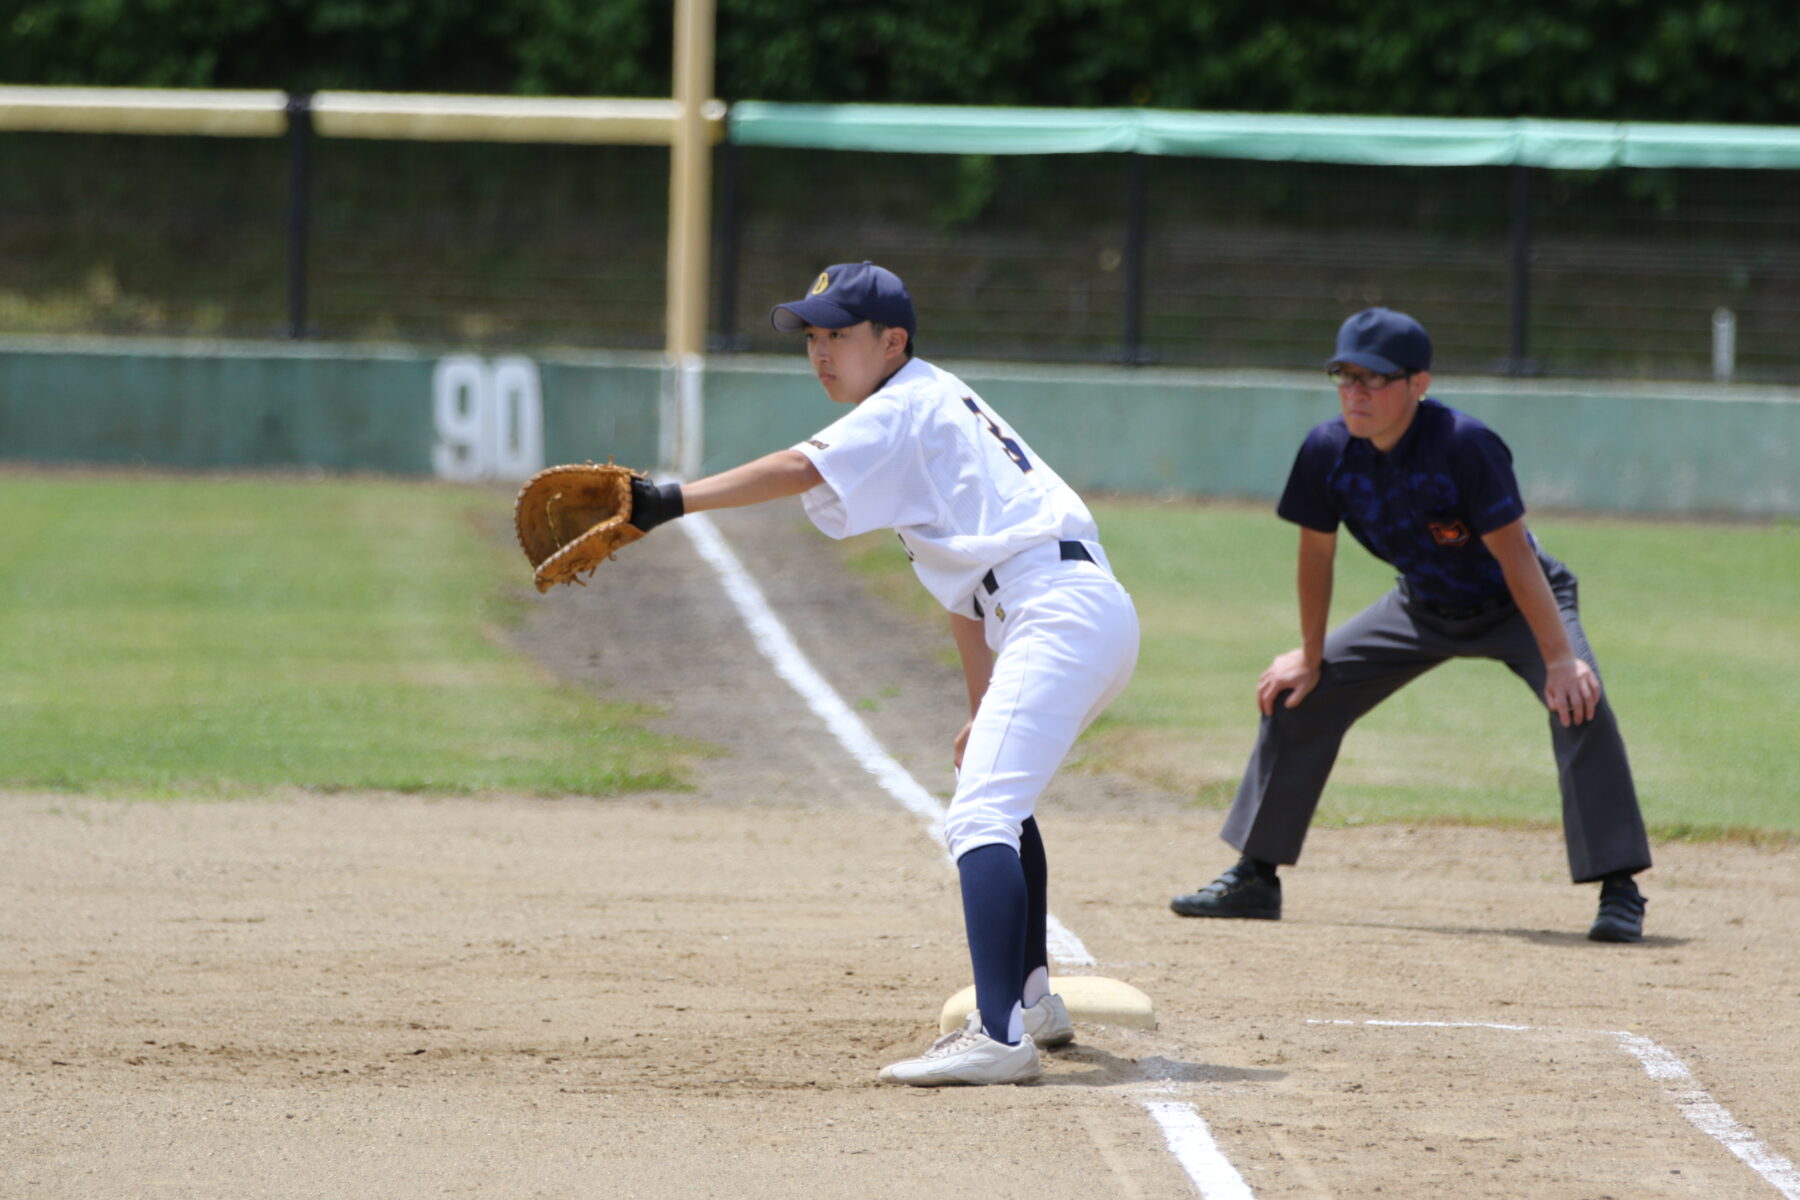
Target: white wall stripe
<point>1706,1114</point>
<point>1192,1144</point>
<point>779,647</point>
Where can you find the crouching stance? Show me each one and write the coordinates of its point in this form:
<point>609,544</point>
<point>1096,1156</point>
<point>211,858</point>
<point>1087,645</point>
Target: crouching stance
<point>1430,491</point>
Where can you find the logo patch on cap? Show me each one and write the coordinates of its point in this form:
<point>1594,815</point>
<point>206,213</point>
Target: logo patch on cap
<point>821,283</point>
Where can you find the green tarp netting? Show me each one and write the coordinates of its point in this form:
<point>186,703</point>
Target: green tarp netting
<point>1389,141</point>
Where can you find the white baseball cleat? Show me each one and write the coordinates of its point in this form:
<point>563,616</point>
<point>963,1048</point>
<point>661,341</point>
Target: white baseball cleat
<point>1048,1022</point>
<point>967,1056</point>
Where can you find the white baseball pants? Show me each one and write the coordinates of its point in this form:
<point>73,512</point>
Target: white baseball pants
<point>1065,641</point>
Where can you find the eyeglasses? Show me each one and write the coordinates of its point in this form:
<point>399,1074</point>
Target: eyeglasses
<point>1372,381</point>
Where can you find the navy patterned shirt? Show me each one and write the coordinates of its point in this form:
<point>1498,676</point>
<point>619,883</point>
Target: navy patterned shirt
<point>1421,507</point>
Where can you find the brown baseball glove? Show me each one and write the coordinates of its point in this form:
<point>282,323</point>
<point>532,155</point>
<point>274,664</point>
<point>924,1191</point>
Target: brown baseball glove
<point>572,518</point>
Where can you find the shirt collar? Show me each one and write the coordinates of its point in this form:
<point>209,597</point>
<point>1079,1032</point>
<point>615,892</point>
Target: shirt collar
<point>1410,439</point>
<point>903,374</point>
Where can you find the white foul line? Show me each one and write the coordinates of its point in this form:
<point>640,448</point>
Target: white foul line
<point>1706,1114</point>
<point>1427,1024</point>
<point>1193,1146</point>
<point>779,647</point>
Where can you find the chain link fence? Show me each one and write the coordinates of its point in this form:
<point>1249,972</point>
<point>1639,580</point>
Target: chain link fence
<point>1640,274</point>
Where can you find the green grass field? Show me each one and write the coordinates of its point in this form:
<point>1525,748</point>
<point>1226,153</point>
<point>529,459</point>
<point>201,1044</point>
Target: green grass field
<point>1695,625</point>
<point>170,636</point>
<point>182,636</point>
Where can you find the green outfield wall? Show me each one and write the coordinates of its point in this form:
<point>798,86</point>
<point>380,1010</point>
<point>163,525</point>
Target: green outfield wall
<point>261,405</point>
<point>1677,449</point>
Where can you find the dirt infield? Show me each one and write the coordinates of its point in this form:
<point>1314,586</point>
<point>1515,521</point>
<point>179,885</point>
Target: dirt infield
<point>688,995</point>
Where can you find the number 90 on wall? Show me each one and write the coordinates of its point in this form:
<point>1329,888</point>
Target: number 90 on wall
<point>489,418</point>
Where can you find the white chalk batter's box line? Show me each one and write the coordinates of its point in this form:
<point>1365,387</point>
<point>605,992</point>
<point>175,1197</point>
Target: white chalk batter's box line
<point>1679,1085</point>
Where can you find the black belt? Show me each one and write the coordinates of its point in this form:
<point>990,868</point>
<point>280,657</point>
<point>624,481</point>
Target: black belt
<point>1468,614</point>
<point>1445,612</point>
<point>1071,552</point>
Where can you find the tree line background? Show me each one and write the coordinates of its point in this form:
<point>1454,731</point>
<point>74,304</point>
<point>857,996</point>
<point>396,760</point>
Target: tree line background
<point>1692,60</point>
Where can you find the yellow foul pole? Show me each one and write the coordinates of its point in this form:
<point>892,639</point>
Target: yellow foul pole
<point>690,193</point>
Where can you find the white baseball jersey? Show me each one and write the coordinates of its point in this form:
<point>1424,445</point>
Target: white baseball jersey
<point>926,457</point>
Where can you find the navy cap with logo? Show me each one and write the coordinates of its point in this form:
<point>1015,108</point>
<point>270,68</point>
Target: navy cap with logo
<point>849,294</point>
<point>1382,340</point>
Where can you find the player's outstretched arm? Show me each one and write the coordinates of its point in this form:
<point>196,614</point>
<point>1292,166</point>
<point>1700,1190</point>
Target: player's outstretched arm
<point>783,473</point>
<point>1571,689</point>
<point>1297,671</point>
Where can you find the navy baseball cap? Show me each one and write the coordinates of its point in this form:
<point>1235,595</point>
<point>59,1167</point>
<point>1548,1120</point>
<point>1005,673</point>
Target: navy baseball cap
<point>849,294</point>
<point>1382,340</point>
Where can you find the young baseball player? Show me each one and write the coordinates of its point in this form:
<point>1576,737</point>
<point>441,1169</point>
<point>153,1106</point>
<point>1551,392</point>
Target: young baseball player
<point>1431,491</point>
<point>1046,635</point>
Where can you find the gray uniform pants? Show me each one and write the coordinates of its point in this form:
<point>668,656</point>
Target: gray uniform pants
<point>1389,644</point>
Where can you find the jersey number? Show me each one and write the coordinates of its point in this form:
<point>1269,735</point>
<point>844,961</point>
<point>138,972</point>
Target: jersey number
<point>1007,444</point>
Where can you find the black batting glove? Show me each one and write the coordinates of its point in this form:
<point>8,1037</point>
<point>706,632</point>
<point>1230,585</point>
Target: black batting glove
<point>654,503</point>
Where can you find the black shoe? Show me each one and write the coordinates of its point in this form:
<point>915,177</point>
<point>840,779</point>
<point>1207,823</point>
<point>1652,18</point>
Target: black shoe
<point>1239,892</point>
<point>1621,916</point>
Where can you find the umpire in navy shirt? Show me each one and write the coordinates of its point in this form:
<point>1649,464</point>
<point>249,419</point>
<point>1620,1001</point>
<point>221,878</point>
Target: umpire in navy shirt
<point>1430,491</point>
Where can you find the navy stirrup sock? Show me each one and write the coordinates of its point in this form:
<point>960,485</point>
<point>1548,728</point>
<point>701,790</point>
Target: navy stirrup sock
<point>995,911</point>
<point>1037,887</point>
